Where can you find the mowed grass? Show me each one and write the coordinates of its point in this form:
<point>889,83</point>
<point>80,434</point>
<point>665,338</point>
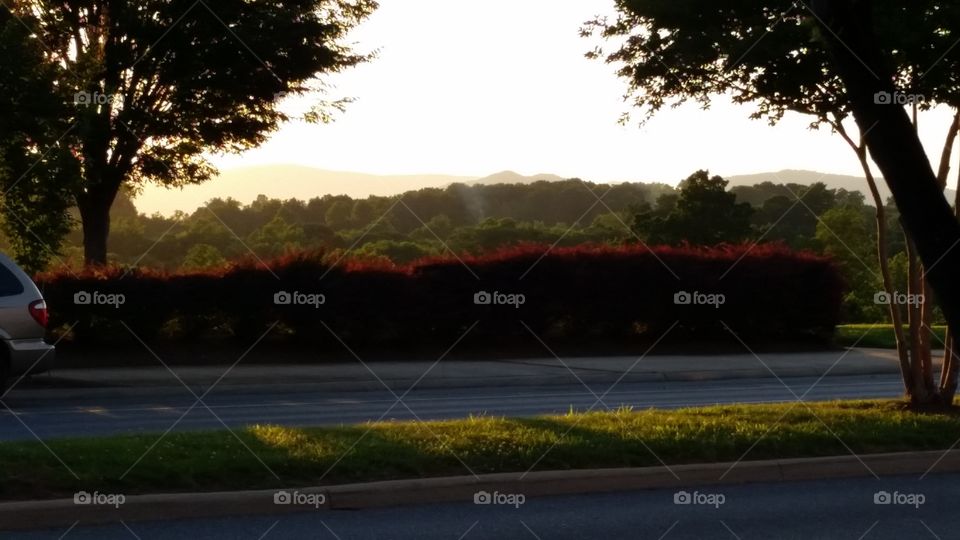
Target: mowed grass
<point>211,461</point>
<point>879,336</point>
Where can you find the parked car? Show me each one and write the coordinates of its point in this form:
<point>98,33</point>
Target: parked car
<point>23,324</point>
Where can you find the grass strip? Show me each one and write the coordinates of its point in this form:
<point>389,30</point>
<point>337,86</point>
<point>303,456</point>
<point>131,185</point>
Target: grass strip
<point>879,336</point>
<point>217,460</point>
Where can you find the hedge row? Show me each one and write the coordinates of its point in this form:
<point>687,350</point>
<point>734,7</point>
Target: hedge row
<point>593,293</point>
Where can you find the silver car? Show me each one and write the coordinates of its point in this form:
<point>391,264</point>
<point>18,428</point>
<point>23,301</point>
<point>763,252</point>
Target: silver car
<point>23,322</point>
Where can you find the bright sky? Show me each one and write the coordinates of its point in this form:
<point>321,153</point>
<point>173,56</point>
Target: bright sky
<point>471,88</point>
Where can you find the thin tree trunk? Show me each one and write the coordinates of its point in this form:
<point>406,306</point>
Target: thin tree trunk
<point>883,259</point>
<point>951,349</point>
<point>921,372</point>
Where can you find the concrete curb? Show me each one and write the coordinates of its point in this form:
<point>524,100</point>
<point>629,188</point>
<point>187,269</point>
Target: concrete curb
<point>172,387</point>
<point>62,513</point>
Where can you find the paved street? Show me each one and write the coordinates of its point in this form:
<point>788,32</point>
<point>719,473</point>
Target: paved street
<point>826,509</point>
<point>53,413</point>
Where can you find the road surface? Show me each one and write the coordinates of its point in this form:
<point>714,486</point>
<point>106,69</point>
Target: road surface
<point>46,414</point>
<point>826,509</point>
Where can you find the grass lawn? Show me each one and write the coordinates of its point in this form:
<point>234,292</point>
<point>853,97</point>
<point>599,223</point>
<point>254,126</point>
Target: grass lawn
<point>878,335</point>
<point>210,461</point>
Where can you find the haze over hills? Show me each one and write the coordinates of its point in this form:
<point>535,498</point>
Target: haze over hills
<point>300,182</point>
<point>833,181</point>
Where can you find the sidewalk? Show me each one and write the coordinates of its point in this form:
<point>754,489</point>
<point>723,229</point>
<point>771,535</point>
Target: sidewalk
<point>461,374</point>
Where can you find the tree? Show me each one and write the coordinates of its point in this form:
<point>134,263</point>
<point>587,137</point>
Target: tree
<point>202,257</point>
<point>702,213</point>
<point>158,84</point>
<point>671,52</point>
<point>37,171</point>
<point>894,145</point>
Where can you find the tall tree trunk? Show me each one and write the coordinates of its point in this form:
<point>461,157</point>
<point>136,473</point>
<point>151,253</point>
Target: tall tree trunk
<point>894,145</point>
<point>94,206</point>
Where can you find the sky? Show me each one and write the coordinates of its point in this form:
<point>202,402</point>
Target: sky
<point>472,88</point>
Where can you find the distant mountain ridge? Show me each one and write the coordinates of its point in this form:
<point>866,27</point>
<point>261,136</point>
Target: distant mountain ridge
<point>301,182</point>
<point>832,181</point>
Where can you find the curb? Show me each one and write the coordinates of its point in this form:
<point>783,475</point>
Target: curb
<point>139,387</point>
<point>462,489</point>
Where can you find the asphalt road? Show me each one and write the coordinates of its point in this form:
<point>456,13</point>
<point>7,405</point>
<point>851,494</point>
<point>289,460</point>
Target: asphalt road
<point>48,414</point>
<point>825,509</point>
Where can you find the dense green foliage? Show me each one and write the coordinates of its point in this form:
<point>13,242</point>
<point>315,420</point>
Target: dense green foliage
<point>477,219</point>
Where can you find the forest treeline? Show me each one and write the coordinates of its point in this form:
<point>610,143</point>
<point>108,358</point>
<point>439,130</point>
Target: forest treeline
<point>480,218</point>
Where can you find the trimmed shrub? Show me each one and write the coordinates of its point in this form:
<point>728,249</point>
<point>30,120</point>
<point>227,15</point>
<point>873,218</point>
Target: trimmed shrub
<point>585,294</point>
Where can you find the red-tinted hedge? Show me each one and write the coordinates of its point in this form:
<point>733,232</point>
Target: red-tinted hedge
<point>588,294</point>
